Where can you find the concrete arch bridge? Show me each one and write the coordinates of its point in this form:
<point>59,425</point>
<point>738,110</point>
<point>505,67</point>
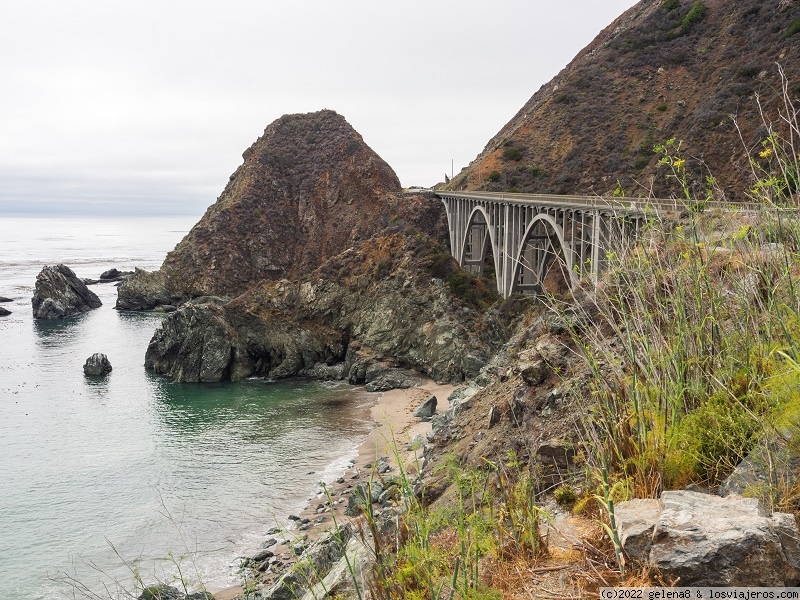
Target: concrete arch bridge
<point>533,242</point>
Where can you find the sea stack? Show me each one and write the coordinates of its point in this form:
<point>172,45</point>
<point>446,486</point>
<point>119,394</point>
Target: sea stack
<point>59,294</point>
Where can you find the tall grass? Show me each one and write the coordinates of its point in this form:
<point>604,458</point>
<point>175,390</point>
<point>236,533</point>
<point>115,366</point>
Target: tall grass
<point>695,328</point>
<point>441,552</point>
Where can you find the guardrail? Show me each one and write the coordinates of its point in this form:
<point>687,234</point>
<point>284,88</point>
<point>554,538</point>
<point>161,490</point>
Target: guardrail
<point>617,204</point>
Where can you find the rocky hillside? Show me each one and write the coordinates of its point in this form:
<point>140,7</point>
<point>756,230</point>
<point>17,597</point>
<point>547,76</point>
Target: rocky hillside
<point>309,188</point>
<point>664,69</point>
<point>396,301</point>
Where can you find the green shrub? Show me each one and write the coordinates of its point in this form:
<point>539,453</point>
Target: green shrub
<point>670,4</point>
<point>537,171</point>
<point>695,15</point>
<point>793,28</point>
<point>494,176</point>
<point>661,107</point>
<point>566,496</point>
<point>512,154</point>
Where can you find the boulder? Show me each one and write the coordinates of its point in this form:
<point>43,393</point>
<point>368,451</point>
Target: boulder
<point>382,379</point>
<point>97,365</point>
<point>771,467</point>
<point>59,293</point>
<point>705,540</point>
<point>4,312</point>
<point>315,560</point>
<point>556,453</point>
<point>4,299</point>
<point>427,408</point>
<point>163,591</point>
<point>110,274</point>
<point>534,373</point>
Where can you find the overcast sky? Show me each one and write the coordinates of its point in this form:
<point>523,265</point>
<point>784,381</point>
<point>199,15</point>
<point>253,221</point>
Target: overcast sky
<point>146,106</point>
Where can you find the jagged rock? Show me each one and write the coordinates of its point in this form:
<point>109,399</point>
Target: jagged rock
<point>4,299</point>
<point>382,379</point>
<point>4,312</point>
<point>316,560</point>
<point>163,591</point>
<point>284,328</point>
<point>325,372</point>
<point>97,365</point>
<point>556,453</point>
<point>146,290</point>
<point>427,408</point>
<point>59,293</point>
<point>309,188</point>
<point>534,373</point>
<point>493,417</point>
<point>165,308</point>
<point>772,466</point>
<point>110,274</point>
<point>350,571</point>
<point>706,540</point>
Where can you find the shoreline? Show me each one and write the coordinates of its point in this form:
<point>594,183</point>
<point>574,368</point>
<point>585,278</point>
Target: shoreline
<point>394,425</point>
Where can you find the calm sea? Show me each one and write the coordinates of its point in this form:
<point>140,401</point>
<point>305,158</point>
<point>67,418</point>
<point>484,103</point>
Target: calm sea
<point>133,473</point>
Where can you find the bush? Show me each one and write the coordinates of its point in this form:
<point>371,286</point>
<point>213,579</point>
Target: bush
<point>512,154</point>
<point>695,15</point>
<point>494,176</point>
<point>670,4</point>
<point>793,28</point>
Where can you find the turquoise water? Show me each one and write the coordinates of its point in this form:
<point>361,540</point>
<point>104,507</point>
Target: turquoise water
<point>128,469</point>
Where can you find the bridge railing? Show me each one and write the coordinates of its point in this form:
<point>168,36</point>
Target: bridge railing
<point>656,205</point>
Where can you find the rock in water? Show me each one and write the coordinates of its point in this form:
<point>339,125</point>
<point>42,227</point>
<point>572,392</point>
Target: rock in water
<point>4,312</point>
<point>110,274</point>
<point>97,364</point>
<point>59,294</point>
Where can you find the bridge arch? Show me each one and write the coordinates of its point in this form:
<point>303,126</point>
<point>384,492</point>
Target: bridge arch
<point>536,265</point>
<point>485,239</point>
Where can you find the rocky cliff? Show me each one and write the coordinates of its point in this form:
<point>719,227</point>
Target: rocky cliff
<point>308,189</point>
<point>664,69</point>
<point>395,301</point>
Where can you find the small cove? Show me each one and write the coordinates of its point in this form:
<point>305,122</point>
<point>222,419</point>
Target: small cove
<point>134,461</point>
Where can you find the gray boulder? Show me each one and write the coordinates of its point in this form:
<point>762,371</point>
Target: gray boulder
<point>145,290</point>
<point>4,312</point>
<point>97,365</point>
<point>772,467</point>
<point>110,274</point>
<point>427,409</point>
<point>4,299</point>
<point>315,560</point>
<point>380,378</point>
<point>59,293</point>
<point>705,540</point>
<point>163,591</point>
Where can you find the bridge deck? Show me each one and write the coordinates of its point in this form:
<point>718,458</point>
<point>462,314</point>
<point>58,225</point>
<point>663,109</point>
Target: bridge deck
<point>639,205</point>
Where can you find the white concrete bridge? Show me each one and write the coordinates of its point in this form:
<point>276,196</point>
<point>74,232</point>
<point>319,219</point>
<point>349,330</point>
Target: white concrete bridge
<point>539,241</point>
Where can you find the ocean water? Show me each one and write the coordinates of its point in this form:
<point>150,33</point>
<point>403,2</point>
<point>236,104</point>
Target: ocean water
<point>103,478</point>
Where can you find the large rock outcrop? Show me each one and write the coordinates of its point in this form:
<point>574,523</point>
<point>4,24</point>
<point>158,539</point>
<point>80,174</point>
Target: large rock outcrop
<point>399,300</point>
<point>706,540</point>
<point>59,293</point>
<point>309,188</point>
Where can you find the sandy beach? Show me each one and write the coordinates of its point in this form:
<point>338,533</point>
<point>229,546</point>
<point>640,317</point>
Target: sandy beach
<point>395,426</point>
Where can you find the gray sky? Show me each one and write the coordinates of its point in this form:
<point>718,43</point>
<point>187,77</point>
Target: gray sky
<point>146,106</point>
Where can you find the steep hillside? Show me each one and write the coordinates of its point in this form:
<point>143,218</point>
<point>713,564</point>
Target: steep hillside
<point>664,69</point>
<point>308,189</point>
